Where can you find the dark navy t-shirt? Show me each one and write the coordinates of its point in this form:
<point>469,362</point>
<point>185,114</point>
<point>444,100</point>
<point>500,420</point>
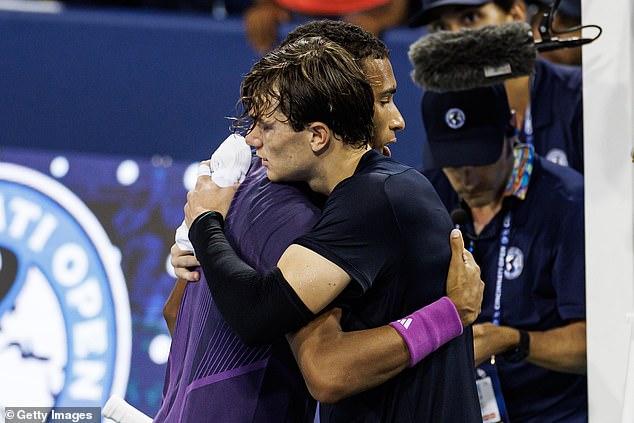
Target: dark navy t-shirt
<point>543,287</point>
<point>386,227</point>
<point>212,376</point>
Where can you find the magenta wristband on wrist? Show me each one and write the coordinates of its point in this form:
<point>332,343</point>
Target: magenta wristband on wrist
<point>428,328</point>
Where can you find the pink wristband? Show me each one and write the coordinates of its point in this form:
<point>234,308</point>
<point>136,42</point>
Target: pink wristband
<point>428,328</point>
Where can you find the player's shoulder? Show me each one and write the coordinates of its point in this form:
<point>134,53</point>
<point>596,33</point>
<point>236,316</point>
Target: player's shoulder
<point>377,168</point>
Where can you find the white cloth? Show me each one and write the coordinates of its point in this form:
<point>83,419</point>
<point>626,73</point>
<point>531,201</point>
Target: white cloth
<point>118,411</point>
<point>229,165</point>
<point>231,161</point>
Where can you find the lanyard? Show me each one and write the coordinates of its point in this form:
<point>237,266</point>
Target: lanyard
<point>504,242</point>
<point>528,126</point>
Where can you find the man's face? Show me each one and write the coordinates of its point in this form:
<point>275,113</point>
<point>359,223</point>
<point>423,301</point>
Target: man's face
<point>285,154</point>
<point>453,18</point>
<point>480,186</point>
<point>387,118</point>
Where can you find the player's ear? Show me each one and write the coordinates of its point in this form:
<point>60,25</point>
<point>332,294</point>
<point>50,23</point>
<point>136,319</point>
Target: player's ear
<point>321,135</point>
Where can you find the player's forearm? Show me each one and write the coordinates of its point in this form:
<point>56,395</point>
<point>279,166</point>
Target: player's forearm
<point>259,308</point>
<point>561,349</point>
<point>338,364</point>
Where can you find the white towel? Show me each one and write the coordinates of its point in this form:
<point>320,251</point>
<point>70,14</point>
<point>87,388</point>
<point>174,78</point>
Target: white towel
<point>231,161</point>
<point>118,411</point>
<point>229,165</point>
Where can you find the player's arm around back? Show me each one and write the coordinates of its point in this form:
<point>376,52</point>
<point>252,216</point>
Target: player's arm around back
<point>337,364</point>
<point>316,280</point>
<point>261,308</point>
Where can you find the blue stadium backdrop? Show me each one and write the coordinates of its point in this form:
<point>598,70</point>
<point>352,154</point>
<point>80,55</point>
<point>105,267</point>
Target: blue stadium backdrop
<point>84,243</point>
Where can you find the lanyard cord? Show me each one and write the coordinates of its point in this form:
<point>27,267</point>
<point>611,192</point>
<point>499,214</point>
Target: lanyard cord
<point>501,264</point>
<point>528,126</point>
<point>504,242</point>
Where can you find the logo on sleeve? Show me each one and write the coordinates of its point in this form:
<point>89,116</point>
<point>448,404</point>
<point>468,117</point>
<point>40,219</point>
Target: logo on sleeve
<point>65,333</point>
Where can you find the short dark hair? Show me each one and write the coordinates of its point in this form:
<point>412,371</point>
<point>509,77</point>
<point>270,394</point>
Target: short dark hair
<point>311,80</point>
<point>357,41</point>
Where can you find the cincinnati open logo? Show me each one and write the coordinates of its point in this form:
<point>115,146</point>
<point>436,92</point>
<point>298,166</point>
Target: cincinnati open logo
<point>65,332</point>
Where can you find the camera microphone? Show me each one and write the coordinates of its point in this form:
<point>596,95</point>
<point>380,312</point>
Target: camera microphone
<point>473,58</point>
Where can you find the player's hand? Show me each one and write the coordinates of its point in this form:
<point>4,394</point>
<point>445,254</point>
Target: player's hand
<point>207,196</point>
<point>464,286</point>
<point>185,264</point>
